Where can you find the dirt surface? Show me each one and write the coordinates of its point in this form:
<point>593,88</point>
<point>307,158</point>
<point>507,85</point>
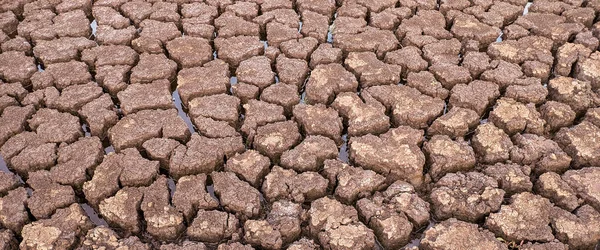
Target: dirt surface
<point>299,124</point>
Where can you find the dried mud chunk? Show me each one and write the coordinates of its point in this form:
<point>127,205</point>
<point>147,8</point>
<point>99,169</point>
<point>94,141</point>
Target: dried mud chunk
<point>287,184</point>
<point>256,71</point>
<point>325,54</point>
<point>47,196</point>
<point>212,128</point>
<point>292,71</point>
<point>426,83</point>
<point>371,40</point>
<point>249,166</point>
<point>109,16</point>
<point>8,181</point>
<point>454,233</point>
<point>210,79</point>
<point>491,144</point>
<point>319,120</point>
<point>587,70</point>
<point>8,22</point>
<point>310,154</point>
<point>135,129</point>
<point>477,95</point>
<point>191,196</point>
<point>13,213</point>
<point>587,39</point>
<point>13,121</point>
<point>7,101</point>
<point>476,63</point>
<point>234,246</point>
<point>583,181</point>
<point>76,161</point>
<point>69,24</point>
<point>63,49</point>
<point>593,116</point>
<point>394,213</point>
<point>259,113</point>
<point>544,155</point>
<point>245,92</point>
<point>275,138</point>
<point>370,71</point>
<point>447,156</point>
<point>163,221</point>
<point>54,126</point>
<point>467,27</point>
<point>299,49</point>
<point>109,55</point>
<point>328,80</point>
<point>314,25</point>
<point>161,31</point>
<point>514,117</point>
<point>450,75</point>
<point>337,226</point>
<point>394,159</point>
<point>112,78</point>
<point>286,217</point>
<point>528,90</point>
<point>127,168</point>
<point>261,234</point>
<point>136,171</point>
<point>351,183</point>
<point>186,245</point>
<point>153,67</point>
<point>470,196</point>
<point>502,73</point>
<point>408,106</point>
<point>122,210</point>
<point>229,25</point>
<point>236,195</point>
<point>323,7</point>
<point>409,58</point>
<point>203,155</point>
<point>557,245</point>
<point>578,230</point>
<point>138,97</point>
<point>285,95</point>
<point>69,73</point>
<point>442,52</point>
<point>456,123</point>
<point>303,244</point>
<point>14,90</point>
<point>99,115</point>
<point>278,33</point>
<point>428,25</point>
<point>512,178</point>
<point>527,217</point>
<point>72,98</point>
<point>551,186</point>
<point>213,226</point>
<point>221,107</point>
<point>234,50</point>
<point>362,118</point>
<point>106,35</point>
<point>568,56</point>
<point>557,115</point>
<point>62,231</point>
<point>8,240</point>
<point>578,143</point>
<point>190,51</point>
<point>35,157</point>
<point>348,25</point>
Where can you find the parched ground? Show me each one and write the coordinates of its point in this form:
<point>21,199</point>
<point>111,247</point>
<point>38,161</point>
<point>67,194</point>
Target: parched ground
<point>299,124</point>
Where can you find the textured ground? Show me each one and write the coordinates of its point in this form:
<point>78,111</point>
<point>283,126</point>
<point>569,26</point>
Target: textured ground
<point>299,124</point>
